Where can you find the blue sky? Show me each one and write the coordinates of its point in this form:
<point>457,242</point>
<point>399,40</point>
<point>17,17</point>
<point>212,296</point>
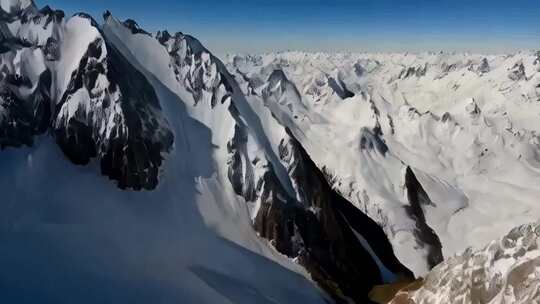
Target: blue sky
<point>227,26</point>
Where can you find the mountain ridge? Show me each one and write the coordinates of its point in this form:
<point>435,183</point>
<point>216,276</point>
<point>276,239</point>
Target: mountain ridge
<point>150,125</point>
<point>334,168</point>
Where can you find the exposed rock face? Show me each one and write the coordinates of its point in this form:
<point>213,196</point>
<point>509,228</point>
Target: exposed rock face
<point>371,140</point>
<point>359,70</point>
<point>122,124</point>
<point>418,198</point>
<point>195,68</point>
<point>281,90</point>
<point>505,271</point>
<point>340,88</point>
<point>25,98</point>
<point>20,119</point>
<point>318,227</point>
<point>417,71</point>
<point>517,72</point>
<point>107,110</point>
<point>101,107</point>
<point>241,171</point>
<point>480,68</point>
<point>461,126</point>
<point>299,214</point>
<point>133,26</point>
<point>483,67</point>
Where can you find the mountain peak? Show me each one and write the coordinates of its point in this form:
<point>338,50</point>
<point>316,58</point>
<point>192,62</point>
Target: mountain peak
<point>106,15</point>
<point>16,6</point>
<point>344,171</point>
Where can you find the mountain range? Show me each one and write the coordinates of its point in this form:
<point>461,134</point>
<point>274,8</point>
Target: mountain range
<point>138,167</point>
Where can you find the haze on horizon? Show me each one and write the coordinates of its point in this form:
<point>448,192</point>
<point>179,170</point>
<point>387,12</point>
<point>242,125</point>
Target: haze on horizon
<point>257,26</point>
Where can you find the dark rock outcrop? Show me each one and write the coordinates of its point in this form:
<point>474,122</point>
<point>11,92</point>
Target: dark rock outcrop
<point>418,71</point>
<point>240,172</point>
<point>134,27</point>
<point>278,85</point>
<point>484,67</point>
<point>340,88</point>
<point>196,68</point>
<point>21,119</point>
<point>108,111</point>
<point>371,140</point>
<point>517,72</point>
<point>50,15</point>
<point>123,126</point>
<point>359,70</point>
<point>418,198</point>
<point>321,229</point>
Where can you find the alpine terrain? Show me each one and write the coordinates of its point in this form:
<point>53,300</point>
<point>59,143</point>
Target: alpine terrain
<point>137,167</point>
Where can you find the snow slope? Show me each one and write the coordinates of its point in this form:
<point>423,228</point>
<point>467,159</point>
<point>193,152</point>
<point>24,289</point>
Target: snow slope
<point>256,180</point>
<point>289,201</point>
<point>70,235</point>
<point>226,184</point>
<point>465,124</point>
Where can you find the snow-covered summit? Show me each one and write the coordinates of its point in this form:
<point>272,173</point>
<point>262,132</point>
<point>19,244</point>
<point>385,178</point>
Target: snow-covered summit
<point>93,101</point>
<point>227,182</point>
<point>289,177</point>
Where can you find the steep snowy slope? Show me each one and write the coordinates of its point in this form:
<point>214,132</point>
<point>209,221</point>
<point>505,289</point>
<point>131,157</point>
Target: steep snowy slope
<point>458,129</point>
<point>62,75</point>
<point>70,235</point>
<point>288,197</point>
<point>234,209</point>
<point>281,178</point>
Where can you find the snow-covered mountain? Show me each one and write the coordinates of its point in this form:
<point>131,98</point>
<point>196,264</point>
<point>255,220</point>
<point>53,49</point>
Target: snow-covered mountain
<point>462,129</point>
<point>505,271</point>
<point>440,149</point>
<point>81,100</point>
<point>139,166</point>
